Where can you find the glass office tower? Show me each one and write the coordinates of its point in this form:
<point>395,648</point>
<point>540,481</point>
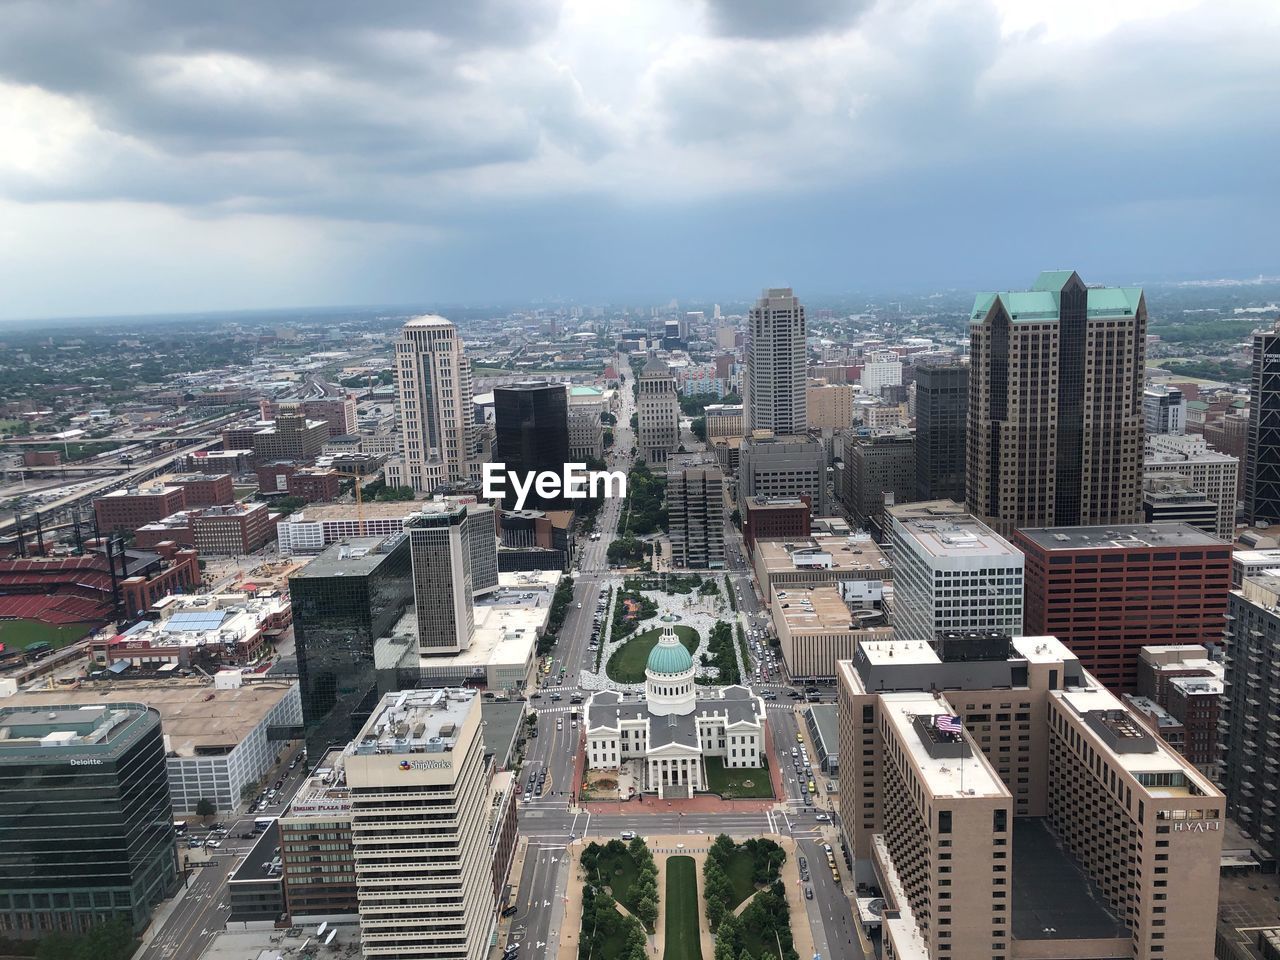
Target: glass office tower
<point>86,829</point>
<point>343,600</point>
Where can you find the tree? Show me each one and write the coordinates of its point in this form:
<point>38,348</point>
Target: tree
<point>647,911</point>
<point>608,419</point>
<point>745,955</point>
<point>206,808</point>
<point>699,428</point>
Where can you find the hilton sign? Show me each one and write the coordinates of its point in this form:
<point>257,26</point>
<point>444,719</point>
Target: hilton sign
<point>1196,826</point>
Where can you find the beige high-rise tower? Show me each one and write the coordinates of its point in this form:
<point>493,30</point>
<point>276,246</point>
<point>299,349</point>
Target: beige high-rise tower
<point>1055,405</point>
<point>439,433</point>
<point>774,387</point>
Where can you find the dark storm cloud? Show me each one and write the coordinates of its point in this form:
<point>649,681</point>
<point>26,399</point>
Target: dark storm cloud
<point>780,19</point>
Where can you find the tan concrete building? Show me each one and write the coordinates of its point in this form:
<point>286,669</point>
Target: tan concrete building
<point>420,799</point>
<point>830,406</point>
<point>819,560</point>
<point>817,628</point>
<point>1008,806</point>
<point>723,420</point>
<point>657,413</point>
<point>1209,472</point>
<point>1055,404</point>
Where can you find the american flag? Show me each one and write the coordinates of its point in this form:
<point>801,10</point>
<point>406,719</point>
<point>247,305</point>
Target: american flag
<point>947,724</point>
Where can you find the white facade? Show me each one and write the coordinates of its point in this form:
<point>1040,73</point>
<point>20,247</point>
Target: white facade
<point>1164,410</point>
<point>223,778</point>
<point>774,386</point>
<point>671,731</point>
<point>420,801</point>
<point>952,572</point>
<point>1213,474</point>
<point>434,380</point>
<point>882,369</point>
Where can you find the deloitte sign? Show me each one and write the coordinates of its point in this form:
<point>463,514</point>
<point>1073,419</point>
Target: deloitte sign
<point>576,482</point>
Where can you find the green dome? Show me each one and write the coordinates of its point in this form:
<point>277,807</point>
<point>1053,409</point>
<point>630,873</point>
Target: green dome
<point>669,656</point>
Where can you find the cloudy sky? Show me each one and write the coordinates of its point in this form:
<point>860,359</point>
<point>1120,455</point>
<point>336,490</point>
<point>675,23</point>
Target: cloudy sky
<point>175,155</point>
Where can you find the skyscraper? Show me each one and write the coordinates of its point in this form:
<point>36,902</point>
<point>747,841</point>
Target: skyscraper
<point>343,601</point>
<point>420,801</point>
<point>454,554</point>
<point>1262,464</point>
<point>532,432</point>
<point>695,506</point>
<point>1055,404</point>
<point>942,411</point>
<point>657,413</point>
<point>775,382</point>
<point>439,433</point>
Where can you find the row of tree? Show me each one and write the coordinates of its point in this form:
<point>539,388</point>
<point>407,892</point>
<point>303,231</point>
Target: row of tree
<point>722,654</point>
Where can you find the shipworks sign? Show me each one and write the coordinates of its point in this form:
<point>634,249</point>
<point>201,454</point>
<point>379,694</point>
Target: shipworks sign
<point>425,764</point>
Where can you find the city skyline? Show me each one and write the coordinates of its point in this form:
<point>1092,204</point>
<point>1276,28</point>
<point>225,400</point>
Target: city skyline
<point>216,161</point>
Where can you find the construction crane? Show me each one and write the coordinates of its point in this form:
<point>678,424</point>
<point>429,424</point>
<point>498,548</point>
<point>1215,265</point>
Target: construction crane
<point>359,489</point>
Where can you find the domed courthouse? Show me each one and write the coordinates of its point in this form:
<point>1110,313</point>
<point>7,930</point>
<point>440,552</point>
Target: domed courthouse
<point>674,725</point>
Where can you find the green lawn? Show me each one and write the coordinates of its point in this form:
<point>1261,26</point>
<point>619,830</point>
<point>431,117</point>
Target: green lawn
<point>682,935</point>
<point>628,661</point>
<point>22,633</point>
<point>731,781</point>
<point>739,871</point>
<point>617,873</point>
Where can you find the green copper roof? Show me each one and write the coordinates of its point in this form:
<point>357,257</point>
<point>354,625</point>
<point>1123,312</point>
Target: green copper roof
<point>1042,301</point>
<point>669,656</point>
<point>581,391</point>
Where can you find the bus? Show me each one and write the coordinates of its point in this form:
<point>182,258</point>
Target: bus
<point>180,827</point>
<point>262,824</point>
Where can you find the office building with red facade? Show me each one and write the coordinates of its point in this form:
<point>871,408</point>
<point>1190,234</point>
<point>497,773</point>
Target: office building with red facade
<point>1107,592</point>
<point>773,518</point>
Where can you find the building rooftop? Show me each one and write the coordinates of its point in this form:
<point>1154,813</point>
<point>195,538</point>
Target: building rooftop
<point>832,553</point>
<point>1042,301</point>
<point>1130,747</point>
<point>814,608</point>
<point>324,793</point>
<point>150,490</point>
<point>262,862</point>
<point>352,557</point>
<point>942,531</point>
<point>775,503</point>
<point>911,714</point>
<point>1155,713</point>
<point>1053,899</point>
<point>197,719</point>
<point>415,721</point>
<point>194,620</point>
<point>825,718</point>
<point>1120,537</point>
<point>63,727</point>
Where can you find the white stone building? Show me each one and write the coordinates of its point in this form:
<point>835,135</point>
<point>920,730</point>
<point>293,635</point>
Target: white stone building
<point>674,727</point>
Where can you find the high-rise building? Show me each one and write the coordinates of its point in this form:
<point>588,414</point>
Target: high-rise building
<point>1164,410</point>
<point>774,391</point>
<point>657,413</point>
<point>531,422</point>
<point>1006,805</point>
<point>86,829</point>
<point>1055,404</point>
<point>1172,499</point>
<point>420,800</point>
<point>1262,464</point>
<point>128,509</point>
<point>1250,772</point>
<point>695,511</point>
<point>1186,683</point>
<point>942,412</point>
<point>882,369</point>
<point>1107,592</point>
<point>879,467</point>
<point>723,420</point>
<point>774,518</point>
<point>784,467</point>
<point>344,600</point>
<point>434,379</point>
<point>1209,472</point>
<point>454,553</point>
<point>829,405</point>
<point>952,572</point>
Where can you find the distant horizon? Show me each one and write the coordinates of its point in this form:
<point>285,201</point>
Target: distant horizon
<point>810,300</point>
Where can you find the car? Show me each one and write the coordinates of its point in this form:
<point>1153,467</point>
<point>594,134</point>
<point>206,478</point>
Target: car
<point>528,795</point>
<point>628,835</point>
<point>808,893</point>
<point>799,739</point>
<point>280,783</point>
<point>247,835</point>
<point>804,864</point>
<point>510,911</point>
<point>579,606</point>
<point>769,696</point>
<point>556,697</point>
<point>535,696</point>
<point>559,724</point>
<point>823,818</point>
<point>213,843</point>
<point>195,842</point>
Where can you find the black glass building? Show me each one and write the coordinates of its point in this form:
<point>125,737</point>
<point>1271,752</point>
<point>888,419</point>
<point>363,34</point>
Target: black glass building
<point>531,424</point>
<point>86,826</point>
<point>344,600</point>
<point>942,416</point>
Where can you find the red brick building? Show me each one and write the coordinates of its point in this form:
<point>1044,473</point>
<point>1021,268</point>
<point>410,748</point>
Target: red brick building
<point>1185,682</point>
<point>205,489</point>
<point>773,518</point>
<point>41,458</point>
<point>1107,592</point>
<point>286,477</point>
<point>232,530</point>
<point>128,509</point>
